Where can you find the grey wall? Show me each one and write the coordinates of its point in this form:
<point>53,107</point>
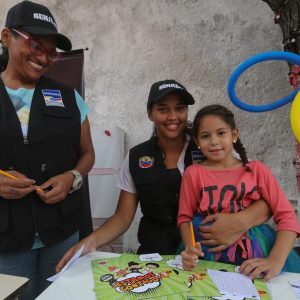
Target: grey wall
<point>199,43</point>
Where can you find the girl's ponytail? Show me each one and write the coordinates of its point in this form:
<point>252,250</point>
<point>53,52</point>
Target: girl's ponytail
<point>240,149</point>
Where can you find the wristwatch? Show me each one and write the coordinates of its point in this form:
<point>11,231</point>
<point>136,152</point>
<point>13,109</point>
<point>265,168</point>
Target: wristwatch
<point>78,180</point>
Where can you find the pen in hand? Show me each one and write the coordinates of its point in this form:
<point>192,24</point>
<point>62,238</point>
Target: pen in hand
<point>192,234</point>
<point>14,177</point>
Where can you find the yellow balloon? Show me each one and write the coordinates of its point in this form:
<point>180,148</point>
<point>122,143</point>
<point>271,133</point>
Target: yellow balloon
<point>295,116</point>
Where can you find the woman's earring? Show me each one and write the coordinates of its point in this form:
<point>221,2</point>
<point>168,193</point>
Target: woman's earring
<point>198,147</point>
<point>234,141</point>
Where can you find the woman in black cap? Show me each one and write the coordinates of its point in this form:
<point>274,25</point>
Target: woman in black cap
<point>151,175</point>
<point>45,149</point>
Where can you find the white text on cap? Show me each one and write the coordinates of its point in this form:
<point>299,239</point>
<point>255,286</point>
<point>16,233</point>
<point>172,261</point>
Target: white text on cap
<point>169,85</point>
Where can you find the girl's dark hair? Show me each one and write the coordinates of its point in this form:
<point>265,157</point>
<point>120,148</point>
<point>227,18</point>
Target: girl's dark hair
<point>228,117</point>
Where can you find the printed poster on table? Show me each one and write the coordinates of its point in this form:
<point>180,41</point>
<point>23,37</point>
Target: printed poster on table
<point>128,277</point>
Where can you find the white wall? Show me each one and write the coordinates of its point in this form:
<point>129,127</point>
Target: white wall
<point>199,43</point>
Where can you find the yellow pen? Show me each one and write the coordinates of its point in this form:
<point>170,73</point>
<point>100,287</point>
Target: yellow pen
<point>14,177</point>
<point>192,234</point>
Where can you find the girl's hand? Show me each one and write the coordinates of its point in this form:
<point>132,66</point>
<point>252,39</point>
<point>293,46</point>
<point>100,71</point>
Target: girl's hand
<point>261,267</point>
<point>89,246</point>
<point>190,256</point>
<point>59,185</point>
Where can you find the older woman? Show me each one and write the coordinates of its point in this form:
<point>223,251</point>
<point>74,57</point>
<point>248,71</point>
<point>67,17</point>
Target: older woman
<point>45,145</point>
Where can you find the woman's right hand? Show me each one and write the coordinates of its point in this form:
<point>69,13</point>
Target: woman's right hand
<point>11,188</point>
<point>89,246</point>
<point>113,228</point>
<point>190,256</point>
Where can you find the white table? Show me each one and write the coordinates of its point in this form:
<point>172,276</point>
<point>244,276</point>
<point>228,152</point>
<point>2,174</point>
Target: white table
<point>77,282</point>
<point>12,286</point>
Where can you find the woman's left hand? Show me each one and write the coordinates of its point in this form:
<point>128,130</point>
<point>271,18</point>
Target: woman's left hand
<point>261,267</point>
<point>56,188</point>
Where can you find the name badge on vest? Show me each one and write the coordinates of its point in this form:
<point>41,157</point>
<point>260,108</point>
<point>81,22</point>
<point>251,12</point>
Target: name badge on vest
<point>53,98</point>
<point>146,162</point>
<point>197,156</point>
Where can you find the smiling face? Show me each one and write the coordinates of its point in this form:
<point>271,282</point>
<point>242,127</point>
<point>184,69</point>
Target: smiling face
<point>23,65</point>
<point>169,116</point>
<point>215,138</point>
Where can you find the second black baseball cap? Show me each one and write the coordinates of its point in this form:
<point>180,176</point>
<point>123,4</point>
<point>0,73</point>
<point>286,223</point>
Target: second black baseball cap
<point>162,88</point>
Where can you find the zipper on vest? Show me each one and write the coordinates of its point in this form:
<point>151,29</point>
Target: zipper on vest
<point>26,142</point>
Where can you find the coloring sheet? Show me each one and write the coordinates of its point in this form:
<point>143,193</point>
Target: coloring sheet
<point>234,284</point>
<point>129,277</point>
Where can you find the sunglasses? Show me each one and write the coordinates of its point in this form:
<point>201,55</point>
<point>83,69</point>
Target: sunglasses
<point>37,49</point>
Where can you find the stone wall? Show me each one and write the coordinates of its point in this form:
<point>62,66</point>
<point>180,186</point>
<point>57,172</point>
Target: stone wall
<point>199,43</point>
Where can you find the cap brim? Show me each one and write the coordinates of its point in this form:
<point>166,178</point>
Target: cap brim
<point>187,97</point>
<point>62,42</point>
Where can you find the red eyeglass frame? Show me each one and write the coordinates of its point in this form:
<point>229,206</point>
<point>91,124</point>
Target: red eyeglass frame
<point>42,49</point>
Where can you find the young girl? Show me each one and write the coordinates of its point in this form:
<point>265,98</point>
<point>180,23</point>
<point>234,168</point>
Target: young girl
<point>225,184</point>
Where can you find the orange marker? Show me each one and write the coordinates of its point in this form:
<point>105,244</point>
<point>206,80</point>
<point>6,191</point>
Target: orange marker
<point>14,177</point>
<point>192,234</point>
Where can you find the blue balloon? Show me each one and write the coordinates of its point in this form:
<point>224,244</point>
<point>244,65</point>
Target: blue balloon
<point>274,55</point>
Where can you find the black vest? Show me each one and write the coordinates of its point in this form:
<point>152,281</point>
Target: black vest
<point>51,148</point>
<point>158,231</point>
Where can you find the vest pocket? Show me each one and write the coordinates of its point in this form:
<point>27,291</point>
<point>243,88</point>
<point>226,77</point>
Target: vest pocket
<point>147,189</point>
<point>49,170</point>
<point>4,215</point>
<point>145,179</point>
<point>62,123</point>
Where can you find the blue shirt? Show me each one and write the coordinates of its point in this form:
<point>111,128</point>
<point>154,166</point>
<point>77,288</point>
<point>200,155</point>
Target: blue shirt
<point>22,99</point>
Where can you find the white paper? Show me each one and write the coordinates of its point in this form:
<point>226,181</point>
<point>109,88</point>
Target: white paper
<point>150,257</point>
<point>296,287</point>
<point>176,262</point>
<point>233,284</point>
<point>269,286</point>
<point>74,258</point>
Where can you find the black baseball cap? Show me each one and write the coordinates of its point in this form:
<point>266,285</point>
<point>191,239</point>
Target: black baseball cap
<point>36,19</point>
<point>162,88</point>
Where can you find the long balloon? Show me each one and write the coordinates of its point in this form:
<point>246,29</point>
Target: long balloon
<point>274,55</point>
